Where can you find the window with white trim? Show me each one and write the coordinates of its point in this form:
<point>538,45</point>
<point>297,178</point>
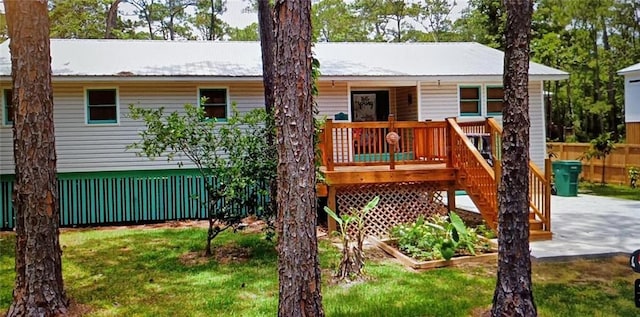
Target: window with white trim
<point>470,100</point>
<point>7,106</point>
<point>214,102</point>
<point>495,96</point>
<point>102,106</point>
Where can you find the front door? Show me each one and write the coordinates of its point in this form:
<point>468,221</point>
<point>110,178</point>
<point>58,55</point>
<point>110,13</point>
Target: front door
<point>370,105</point>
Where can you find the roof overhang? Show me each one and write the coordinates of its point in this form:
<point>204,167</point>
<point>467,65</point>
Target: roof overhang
<point>398,80</point>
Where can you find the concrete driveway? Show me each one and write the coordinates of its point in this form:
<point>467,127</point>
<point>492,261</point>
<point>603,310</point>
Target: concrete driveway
<point>586,225</point>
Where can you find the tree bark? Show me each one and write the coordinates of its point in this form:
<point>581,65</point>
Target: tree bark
<point>267,41</point>
<point>39,287</point>
<point>513,295</point>
<point>112,19</point>
<point>298,264</point>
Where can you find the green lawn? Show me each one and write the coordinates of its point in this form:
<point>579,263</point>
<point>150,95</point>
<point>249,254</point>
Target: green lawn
<point>153,272</point>
<point>617,191</point>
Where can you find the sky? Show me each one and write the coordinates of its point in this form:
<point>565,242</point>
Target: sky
<point>237,18</point>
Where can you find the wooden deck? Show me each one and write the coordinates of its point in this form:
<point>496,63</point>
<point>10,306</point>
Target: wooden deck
<point>377,174</point>
<point>450,155</point>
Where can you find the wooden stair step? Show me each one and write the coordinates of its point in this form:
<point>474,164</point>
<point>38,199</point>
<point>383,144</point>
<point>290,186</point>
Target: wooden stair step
<point>535,224</point>
<point>539,235</point>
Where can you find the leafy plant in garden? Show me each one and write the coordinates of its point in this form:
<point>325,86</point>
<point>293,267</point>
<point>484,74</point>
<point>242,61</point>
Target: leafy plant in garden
<point>438,237</point>
<point>352,260</point>
<point>233,158</point>
<point>634,175</point>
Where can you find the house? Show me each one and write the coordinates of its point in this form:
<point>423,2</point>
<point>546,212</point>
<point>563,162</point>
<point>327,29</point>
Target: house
<point>632,102</point>
<point>94,81</point>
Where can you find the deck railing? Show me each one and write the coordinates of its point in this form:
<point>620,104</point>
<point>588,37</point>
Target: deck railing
<point>475,173</point>
<point>539,181</point>
<point>370,143</point>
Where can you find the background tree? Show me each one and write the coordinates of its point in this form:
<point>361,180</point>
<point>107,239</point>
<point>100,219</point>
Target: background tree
<point>248,33</point>
<point>335,21</point>
<point>433,15</point>
<point>513,295</point>
<point>207,18</point>
<point>483,21</point>
<point>79,19</point>
<point>298,264</point>
<point>39,289</point>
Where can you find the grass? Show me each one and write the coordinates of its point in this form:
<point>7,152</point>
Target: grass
<point>609,190</point>
<point>153,272</point>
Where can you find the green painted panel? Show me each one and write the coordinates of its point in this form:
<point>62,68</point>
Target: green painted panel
<point>122,197</point>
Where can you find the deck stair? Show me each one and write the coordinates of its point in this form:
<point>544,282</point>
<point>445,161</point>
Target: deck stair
<point>478,177</point>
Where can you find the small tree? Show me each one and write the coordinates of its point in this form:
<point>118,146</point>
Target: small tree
<point>232,157</point>
<point>600,148</point>
<point>352,260</point>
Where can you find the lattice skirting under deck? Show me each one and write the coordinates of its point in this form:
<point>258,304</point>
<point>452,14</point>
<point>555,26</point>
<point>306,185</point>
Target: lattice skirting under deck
<point>399,203</point>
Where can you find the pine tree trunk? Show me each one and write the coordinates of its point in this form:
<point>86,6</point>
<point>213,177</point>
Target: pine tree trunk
<point>39,287</point>
<point>267,45</point>
<point>513,295</point>
<point>298,264</point>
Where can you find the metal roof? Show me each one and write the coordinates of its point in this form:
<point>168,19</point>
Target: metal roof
<point>630,69</point>
<point>144,58</point>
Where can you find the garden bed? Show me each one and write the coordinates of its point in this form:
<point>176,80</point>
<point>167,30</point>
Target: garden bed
<point>390,247</point>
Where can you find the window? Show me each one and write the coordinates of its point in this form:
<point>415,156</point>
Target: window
<point>495,97</point>
<point>7,106</point>
<point>470,101</point>
<point>102,106</point>
<point>214,102</point>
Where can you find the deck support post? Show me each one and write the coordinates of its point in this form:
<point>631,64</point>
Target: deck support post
<point>451,197</point>
<point>331,203</point>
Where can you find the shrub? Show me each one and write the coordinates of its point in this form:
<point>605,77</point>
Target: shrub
<point>438,237</point>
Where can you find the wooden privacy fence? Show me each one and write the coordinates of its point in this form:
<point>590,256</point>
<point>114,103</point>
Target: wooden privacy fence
<point>616,164</point>
<point>126,197</point>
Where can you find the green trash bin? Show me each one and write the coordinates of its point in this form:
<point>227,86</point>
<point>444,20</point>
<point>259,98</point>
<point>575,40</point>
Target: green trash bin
<point>566,177</point>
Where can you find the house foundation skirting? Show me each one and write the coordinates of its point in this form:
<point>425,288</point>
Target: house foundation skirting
<point>101,198</point>
<point>399,203</point>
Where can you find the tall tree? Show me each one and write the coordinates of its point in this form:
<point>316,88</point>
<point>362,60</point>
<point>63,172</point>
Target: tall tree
<point>298,264</point>
<point>207,18</point>
<point>434,17</point>
<point>80,19</point>
<point>39,289</point>
<point>483,22</point>
<point>112,19</point>
<point>267,47</point>
<point>335,21</point>
<point>513,295</point>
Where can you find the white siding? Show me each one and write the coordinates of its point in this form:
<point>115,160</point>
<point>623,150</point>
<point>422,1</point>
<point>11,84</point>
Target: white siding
<point>440,101</point>
<point>333,99</point>
<point>632,97</point>
<point>84,147</point>
<point>537,131</point>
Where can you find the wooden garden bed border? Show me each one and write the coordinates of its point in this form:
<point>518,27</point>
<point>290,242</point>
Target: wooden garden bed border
<point>426,265</point>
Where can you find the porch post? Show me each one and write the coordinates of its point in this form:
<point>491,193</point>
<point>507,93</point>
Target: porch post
<point>392,146</point>
<point>328,143</point>
<point>331,203</point>
<point>547,194</point>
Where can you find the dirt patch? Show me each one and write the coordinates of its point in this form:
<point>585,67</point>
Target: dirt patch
<point>226,254</point>
<point>194,258</point>
<point>78,310</point>
<point>481,312</point>
<point>231,254</point>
